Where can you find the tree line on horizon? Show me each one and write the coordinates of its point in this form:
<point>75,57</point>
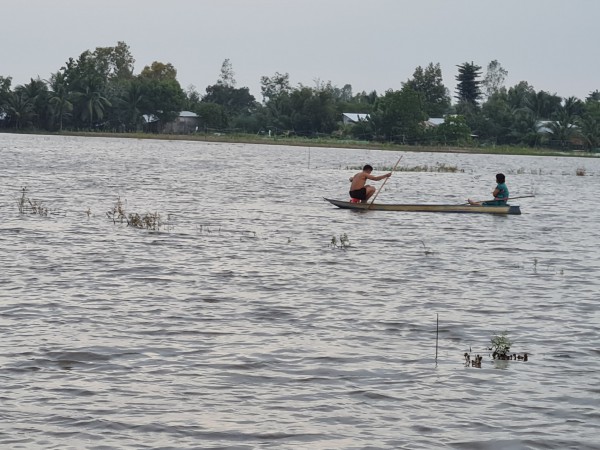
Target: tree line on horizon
<point>99,91</point>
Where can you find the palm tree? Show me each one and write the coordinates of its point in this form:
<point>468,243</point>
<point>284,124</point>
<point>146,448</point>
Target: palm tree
<point>60,104</point>
<point>524,128</point>
<point>37,92</point>
<point>594,96</point>
<point>563,128</point>
<point>90,103</point>
<point>19,108</point>
<point>130,105</point>
<point>542,104</point>
<point>589,128</point>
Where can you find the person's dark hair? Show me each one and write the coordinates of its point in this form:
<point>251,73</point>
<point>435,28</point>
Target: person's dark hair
<point>367,168</point>
<point>500,178</point>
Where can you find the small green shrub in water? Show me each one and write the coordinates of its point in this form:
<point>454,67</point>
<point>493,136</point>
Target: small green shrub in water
<point>500,345</point>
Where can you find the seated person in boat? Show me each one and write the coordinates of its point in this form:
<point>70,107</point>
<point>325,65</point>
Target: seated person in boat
<point>500,194</point>
<point>359,188</point>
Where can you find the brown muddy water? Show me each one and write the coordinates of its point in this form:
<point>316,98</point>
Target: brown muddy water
<point>237,325</point>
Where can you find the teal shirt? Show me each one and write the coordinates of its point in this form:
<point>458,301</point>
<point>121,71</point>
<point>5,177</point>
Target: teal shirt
<point>502,194</point>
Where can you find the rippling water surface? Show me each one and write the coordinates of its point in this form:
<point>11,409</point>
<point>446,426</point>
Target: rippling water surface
<point>239,326</point>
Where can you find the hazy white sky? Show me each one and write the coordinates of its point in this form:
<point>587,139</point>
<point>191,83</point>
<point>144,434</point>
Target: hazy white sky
<point>370,44</point>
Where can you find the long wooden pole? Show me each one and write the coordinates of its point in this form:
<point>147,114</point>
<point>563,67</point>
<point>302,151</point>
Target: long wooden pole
<point>384,181</point>
<point>510,198</point>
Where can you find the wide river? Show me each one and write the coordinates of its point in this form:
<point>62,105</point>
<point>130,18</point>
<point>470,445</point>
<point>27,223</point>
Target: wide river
<point>238,325</point>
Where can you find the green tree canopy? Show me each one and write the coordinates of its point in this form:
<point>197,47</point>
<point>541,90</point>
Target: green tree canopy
<point>428,82</point>
<point>114,62</point>
<point>161,96</point>
<point>275,86</point>
<point>494,78</point>
<point>468,89</point>
<point>159,71</point>
<point>312,111</point>
<point>398,116</point>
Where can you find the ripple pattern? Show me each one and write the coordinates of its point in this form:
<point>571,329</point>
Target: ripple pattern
<point>237,325</point>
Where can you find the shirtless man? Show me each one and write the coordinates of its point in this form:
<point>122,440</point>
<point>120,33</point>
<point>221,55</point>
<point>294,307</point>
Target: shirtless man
<point>358,189</point>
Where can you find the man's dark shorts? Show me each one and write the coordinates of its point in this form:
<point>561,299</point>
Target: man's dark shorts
<point>360,194</point>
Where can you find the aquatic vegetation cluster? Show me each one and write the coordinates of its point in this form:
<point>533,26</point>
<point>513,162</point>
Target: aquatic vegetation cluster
<point>437,167</point>
<point>500,345</point>
<point>148,221</point>
<point>580,172</point>
<point>500,348</point>
<point>152,221</point>
<point>342,243</point>
<point>548,268</point>
<point>29,206</point>
<point>207,229</point>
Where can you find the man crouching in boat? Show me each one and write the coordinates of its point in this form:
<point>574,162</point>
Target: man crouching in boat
<point>359,189</point>
<point>500,194</point>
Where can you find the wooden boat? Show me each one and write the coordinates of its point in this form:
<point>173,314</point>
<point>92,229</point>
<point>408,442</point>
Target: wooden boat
<point>507,209</point>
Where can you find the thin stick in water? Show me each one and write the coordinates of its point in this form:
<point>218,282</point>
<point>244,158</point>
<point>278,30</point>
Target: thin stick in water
<point>437,332</point>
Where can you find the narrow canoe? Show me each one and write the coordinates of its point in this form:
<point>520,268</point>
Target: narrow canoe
<point>508,209</point>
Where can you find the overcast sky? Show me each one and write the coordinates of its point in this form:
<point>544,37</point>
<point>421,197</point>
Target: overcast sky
<point>369,44</point>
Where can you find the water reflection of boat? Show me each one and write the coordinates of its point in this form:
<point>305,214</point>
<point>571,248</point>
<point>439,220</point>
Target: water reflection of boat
<point>507,209</point>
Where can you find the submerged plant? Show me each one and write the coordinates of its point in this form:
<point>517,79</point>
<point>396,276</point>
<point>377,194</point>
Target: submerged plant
<point>437,167</point>
<point>500,345</point>
<point>149,221</point>
<point>117,213</point>
<point>343,242</point>
<point>426,249</point>
<point>27,205</point>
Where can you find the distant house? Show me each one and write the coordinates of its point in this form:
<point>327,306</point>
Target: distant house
<point>574,141</point>
<point>186,123</point>
<point>543,126</point>
<point>351,118</point>
<point>150,123</point>
<point>433,122</point>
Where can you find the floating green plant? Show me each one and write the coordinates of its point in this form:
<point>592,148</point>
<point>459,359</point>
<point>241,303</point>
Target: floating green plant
<point>500,348</point>
<point>500,345</point>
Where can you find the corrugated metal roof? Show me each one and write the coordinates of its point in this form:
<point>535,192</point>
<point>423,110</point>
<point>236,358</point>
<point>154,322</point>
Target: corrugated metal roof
<point>355,117</point>
<point>436,120</point>
<point>187,114</point>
